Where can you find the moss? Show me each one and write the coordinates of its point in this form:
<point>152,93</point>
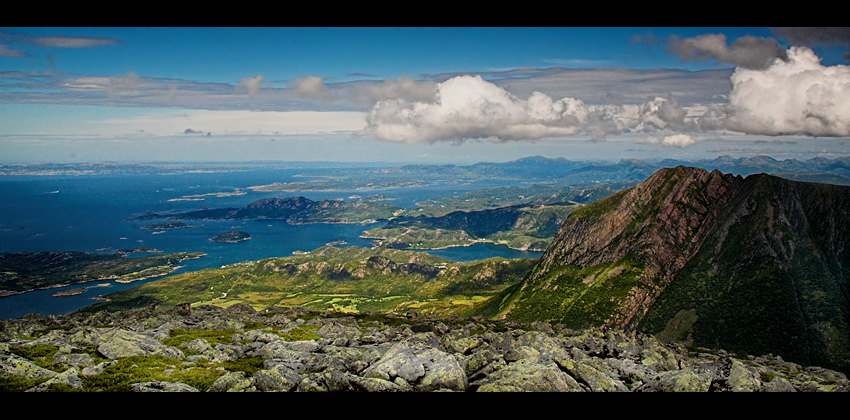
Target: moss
<point>38,333</point>
<point>119,376</point>
<point>40,354</point>
<point>177,337</point>
<point>249,365</point>
<point>13,383</point>
<point>302,333</point>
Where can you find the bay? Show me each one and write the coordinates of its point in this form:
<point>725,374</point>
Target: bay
<point>89,213</point>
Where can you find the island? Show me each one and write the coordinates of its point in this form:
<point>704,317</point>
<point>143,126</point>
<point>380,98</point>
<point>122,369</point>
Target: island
<point>232,237</point>
<point>21,272</point>
<point>167,225</point>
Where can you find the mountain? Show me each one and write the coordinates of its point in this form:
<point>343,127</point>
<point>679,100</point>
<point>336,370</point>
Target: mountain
<point>292,209</point>
<point>349,279</point>
<point>757,264</point>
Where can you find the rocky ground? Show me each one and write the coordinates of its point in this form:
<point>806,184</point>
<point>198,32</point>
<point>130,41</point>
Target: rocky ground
<point>210,349</point>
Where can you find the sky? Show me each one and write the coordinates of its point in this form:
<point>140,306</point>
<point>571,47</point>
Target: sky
<point>422,95</point>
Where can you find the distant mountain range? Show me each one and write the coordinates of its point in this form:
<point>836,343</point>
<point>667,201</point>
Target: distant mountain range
<point>342,175</point>
<point>757,264</point>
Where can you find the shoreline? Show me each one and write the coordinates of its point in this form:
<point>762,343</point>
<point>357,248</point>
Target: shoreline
<point>8,293</point>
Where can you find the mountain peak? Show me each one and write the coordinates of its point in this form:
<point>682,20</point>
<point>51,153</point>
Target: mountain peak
<point>757,265</point>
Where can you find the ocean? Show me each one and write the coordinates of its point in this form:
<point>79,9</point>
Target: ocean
<point>89,213</point>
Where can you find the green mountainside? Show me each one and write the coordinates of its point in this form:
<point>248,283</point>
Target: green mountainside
<point>756,265</point>
<point>348,279</point>
<point>520,227</point>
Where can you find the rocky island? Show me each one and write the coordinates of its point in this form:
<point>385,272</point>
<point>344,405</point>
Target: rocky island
<point>167,225</point>
<point>231,237</point>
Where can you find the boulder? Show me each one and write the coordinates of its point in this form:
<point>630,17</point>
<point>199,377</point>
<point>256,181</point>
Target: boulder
<point>528,376</point>
<point>121,343</point>
<point>418,364</point>
<point>162,386</point>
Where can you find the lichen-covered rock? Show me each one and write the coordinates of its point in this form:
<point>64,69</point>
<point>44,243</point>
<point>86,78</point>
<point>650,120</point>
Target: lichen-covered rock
<point>162,386</point>
<point>278,378</point>
<point>420,365</point>
<point>731,375</point>
<point>75,360</point>
<point>592,373</point>
<point>233,382</point>
<point>684,380</point>
<point>68,378</point>
<point>14,365</point>
<point>364,355</point>
<point>779,384</point>
<point>121,343</point>
<point>528,376</point>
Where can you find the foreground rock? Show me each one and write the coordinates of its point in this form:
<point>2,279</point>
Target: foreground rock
<point>210,349</point>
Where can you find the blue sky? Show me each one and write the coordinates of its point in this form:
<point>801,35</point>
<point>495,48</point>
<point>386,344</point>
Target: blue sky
<point>455,95</point>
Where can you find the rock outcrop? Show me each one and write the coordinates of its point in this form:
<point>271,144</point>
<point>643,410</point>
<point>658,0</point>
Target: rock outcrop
<point>210,349</point>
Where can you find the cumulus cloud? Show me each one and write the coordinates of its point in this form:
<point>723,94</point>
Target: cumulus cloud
<point>313,87</point>
<point>747,51</point>
<point>676,140</point>
<point>796,96</point>
<point>468,107</point>
<point>252,84</point>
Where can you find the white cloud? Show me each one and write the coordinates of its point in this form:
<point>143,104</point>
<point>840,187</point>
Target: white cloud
<point>467,107</point>
<point>676,140</point>
<point>252,84</point>
<point>797,96</point>
<point>313,87</point>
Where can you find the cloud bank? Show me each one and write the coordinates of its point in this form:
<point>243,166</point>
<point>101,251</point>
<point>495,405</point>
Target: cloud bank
<point>466,107</point>
<point>793,95</point>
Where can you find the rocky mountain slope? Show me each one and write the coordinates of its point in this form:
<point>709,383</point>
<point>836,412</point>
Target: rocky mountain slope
<point>758,265</point>
<point>212,349</point>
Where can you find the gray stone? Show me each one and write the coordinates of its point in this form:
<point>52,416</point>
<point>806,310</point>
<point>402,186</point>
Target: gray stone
<point>233,382</point>
<point>278,379</point>
<point>120,343</point>
<point>427,369</point>
<point>162,386</point>
<point>527,376</point>
<point>779,384</point>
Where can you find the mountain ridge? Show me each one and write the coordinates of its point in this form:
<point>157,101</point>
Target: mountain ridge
<point>704,251</point>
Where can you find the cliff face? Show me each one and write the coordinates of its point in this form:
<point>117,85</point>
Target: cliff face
<point>756,264</point>
<point>661,221</point>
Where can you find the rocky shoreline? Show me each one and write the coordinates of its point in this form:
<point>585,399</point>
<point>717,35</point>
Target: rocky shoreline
<point>210,349</point>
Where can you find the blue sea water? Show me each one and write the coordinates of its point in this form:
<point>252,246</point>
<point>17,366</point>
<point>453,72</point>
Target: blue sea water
<point>89,213</point>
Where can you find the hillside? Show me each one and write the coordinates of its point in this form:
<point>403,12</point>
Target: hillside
<point>348,279</point>
<point>520,227</point>
<point>758,265</point>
